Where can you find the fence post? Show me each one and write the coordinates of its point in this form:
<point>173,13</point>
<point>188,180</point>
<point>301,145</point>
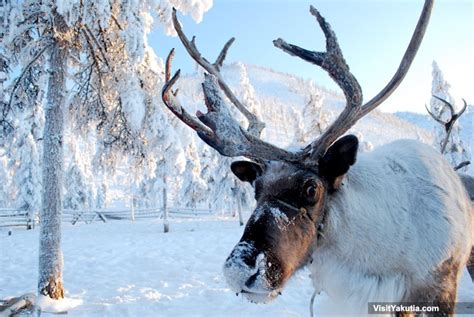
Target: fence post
<point>29,220</point>
<point>239,208</point>
<point>166,225</point>
<point>132,202</point>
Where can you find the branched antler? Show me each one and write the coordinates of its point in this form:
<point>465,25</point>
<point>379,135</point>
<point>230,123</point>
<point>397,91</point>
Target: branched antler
<point>332,61</point>
<point>217,127</point>
<point>255,126</point>
<point>448,125</point>
<point>170,100</point>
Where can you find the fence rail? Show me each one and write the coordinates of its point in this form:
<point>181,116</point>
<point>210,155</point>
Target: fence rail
<point>17,218</point>
<point>22,218</point>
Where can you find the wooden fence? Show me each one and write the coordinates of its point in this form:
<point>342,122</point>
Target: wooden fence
<point>104,215</point>
<point>21,218</point>
<point>17,218</point>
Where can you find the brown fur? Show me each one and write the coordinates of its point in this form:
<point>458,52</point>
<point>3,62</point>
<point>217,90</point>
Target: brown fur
<point>468,182</point>
<point>443,292</point>
<point>470,264</point>
<point>287,247</point>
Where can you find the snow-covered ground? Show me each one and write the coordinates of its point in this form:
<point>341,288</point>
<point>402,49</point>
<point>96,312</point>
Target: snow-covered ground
<point>125,268</point>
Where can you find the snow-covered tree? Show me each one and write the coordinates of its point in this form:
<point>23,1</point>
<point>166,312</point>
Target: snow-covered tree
<point>440,109</point>
<point>78,191</point>
<point>193,188</point>
<point>26,149</point>
<point>5,179</point>
<point>27,174</point>
<point>315,119</point>
<point>75,197</point>
<point>246,92</point>
<point>4,68</point>
<point>105,45</point>
<point>101,197</point>
<point>222,196</point>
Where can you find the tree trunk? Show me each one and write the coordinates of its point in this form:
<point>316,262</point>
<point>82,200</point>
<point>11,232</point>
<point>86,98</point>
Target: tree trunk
<point>50,255</point>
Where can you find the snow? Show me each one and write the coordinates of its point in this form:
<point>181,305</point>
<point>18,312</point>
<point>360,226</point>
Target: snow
<point>128,268</point>
<point>280,217</point>
<point>134,269</point>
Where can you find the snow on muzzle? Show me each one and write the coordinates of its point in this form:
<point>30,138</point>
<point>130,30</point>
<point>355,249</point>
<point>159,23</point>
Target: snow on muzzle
<point>250,272</point>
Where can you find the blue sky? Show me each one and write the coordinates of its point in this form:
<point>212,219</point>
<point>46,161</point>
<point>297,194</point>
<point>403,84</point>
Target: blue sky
<point>373,35</point>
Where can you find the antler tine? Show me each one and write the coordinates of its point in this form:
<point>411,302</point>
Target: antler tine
<point>228,137</point>
<point>461,165</point>
<point>434,116</point>
<point>169,62</point>
<point>217,127</point>
<point>220,59</point>
<point>406,61</point>
<point>448,125</point>
<point>463,108</point>
<point>169,99</point>
<point>449,105</point>
<point>332,61</point>
<point>255,126</point>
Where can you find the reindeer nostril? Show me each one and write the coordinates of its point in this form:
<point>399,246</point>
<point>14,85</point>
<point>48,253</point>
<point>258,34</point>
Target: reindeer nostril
<point>251,280</point>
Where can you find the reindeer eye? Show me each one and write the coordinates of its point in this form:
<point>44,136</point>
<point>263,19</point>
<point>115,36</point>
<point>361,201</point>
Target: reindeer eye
<point>310,191</point>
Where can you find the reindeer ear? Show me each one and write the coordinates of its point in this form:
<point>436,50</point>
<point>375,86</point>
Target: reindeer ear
<point>246,171</point>
<point>338,159</point>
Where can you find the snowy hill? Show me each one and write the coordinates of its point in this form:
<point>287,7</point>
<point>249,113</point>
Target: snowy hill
<point>282,98</point>
<point>422,120</point>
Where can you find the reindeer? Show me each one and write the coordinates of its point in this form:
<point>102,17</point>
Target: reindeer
<point>448,125</point>
<point>467,180</point>
<point>395,225</point>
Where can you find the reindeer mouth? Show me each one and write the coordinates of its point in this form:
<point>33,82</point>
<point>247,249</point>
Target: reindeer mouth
<point>260,297</point>
<point>246,272</point>
<point>254,291</point>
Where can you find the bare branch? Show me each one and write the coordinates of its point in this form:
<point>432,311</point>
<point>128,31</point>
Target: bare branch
<point>117,22</point>
<point>22,74</point>
<point>99,47</point>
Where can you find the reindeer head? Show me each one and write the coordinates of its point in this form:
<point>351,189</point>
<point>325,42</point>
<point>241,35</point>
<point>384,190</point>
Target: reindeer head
<point>291,188</point>
<point>283,229</point>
